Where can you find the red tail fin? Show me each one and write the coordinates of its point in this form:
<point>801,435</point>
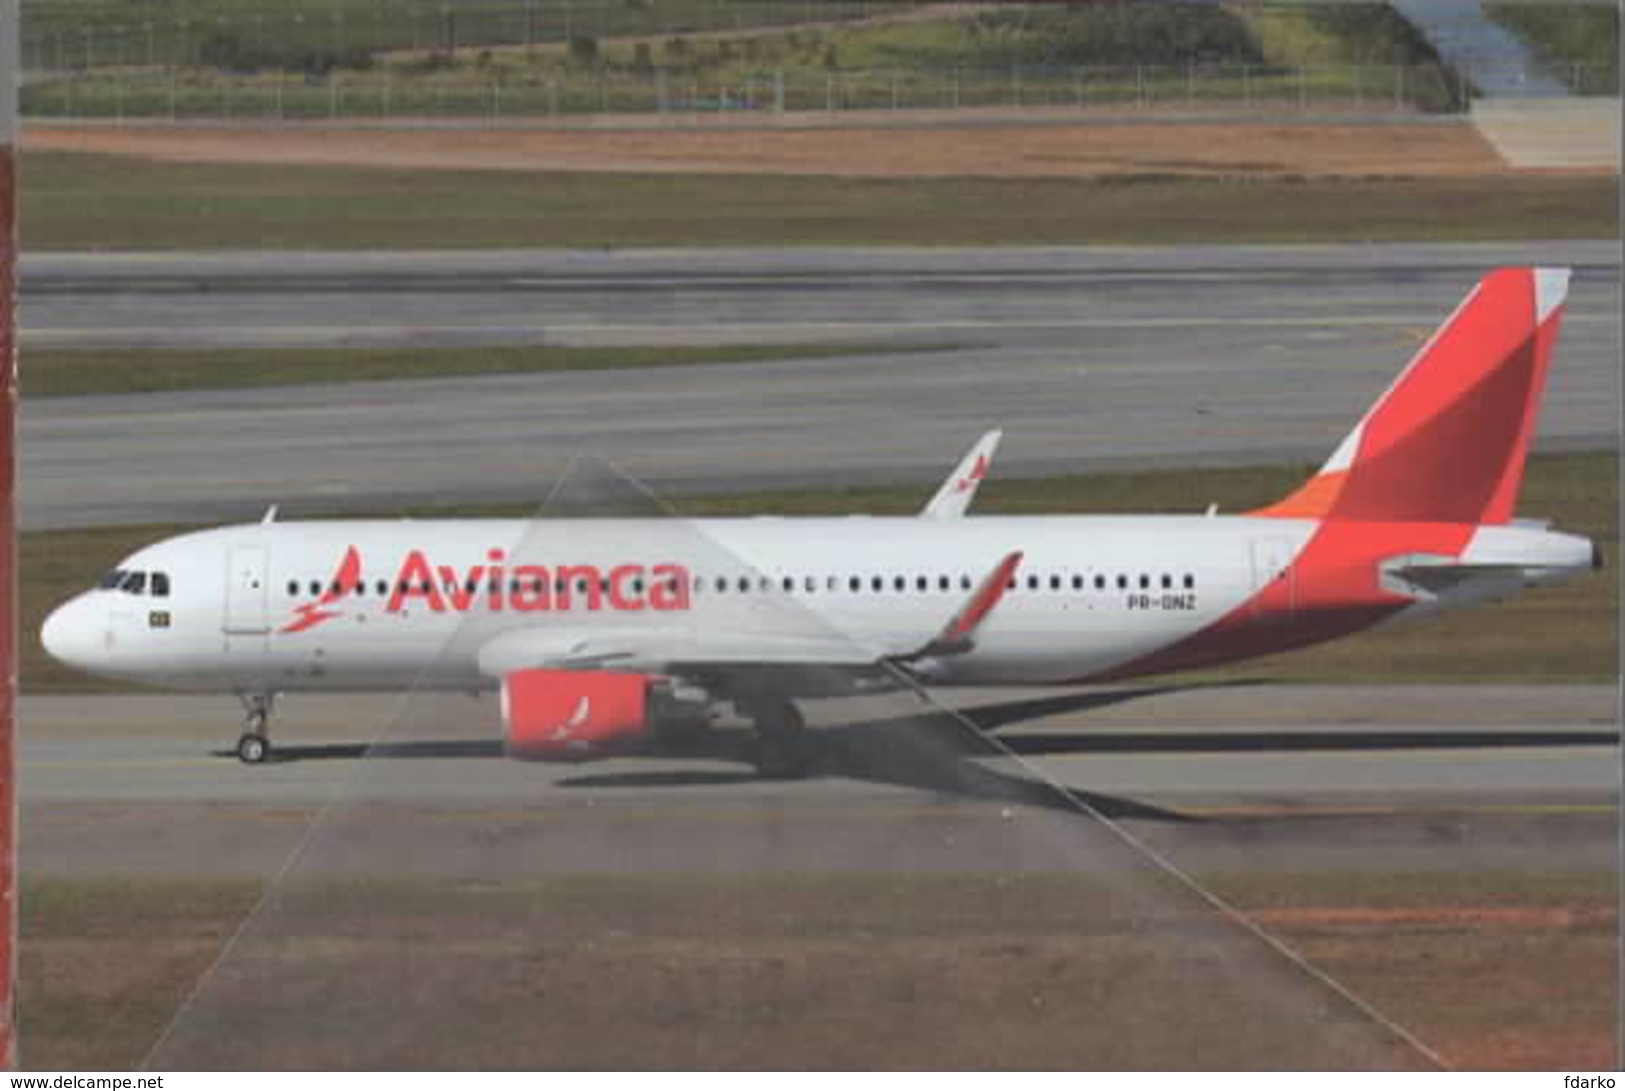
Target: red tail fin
<point>1446,442</point>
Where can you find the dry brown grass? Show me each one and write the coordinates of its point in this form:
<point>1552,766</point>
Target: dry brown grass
<point>1227,149</point>
<point>760,971</point>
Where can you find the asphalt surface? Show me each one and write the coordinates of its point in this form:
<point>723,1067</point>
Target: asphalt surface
<point>1266,778</point>
<point>427,902</point>
<point>1088,358</point>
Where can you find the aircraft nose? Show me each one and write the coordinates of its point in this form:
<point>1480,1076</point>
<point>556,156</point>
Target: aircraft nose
<point>70,634</point>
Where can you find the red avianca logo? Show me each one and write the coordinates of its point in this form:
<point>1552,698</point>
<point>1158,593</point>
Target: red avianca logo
<point>497,587</point>
<point>344,581</point>
<point>976,474</point>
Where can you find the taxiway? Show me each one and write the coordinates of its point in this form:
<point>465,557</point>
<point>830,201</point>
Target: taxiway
<point>1090,359</point>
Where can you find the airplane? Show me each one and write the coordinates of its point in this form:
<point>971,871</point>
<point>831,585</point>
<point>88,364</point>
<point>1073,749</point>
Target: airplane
<point>602,635</point>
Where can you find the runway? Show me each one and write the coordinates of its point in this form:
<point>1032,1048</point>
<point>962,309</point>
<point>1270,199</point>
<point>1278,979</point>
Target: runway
<point>1090,358</point>
<point>1035,856</point>
<point>419,900</point>
<point>1319,777</point>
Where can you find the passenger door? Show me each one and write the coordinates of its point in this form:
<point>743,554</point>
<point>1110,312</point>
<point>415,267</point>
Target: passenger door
<point>246,592</point>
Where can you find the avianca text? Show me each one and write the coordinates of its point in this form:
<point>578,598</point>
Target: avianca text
<point>500,586</point>
<point>534,588</point>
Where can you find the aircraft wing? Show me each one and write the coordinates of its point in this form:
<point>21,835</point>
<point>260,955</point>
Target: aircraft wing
<point>667,650</point>
<point>662,650</point>
<point>954,498</point>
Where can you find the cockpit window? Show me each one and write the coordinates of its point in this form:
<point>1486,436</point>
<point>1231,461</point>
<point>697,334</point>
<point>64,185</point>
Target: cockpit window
<point>135,583</point>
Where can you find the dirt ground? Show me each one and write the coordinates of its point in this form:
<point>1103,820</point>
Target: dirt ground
<point>738,973</point>
<point>1216,148</point>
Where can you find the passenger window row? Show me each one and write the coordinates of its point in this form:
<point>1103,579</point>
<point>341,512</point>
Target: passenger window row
<point>1032,582</point>
<point>788,584</point>
<point>1122,581</point>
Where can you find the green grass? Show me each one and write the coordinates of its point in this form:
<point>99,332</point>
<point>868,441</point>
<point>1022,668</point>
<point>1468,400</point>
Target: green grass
<point>1274,889</point>
<point>509,89</point>
<point>104,905</point>
<point>1356,56</point>
<point>1579,43</point>
<point>51,372</point>
<point>298,33</point>
<point>1568,632</point>
<point>85,202</point>
<point>233,57</point>
<point>1347,33</point>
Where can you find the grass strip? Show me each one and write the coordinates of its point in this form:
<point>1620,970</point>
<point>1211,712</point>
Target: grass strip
<point>116,955</point>
<point>75,201</point>
<point>54,372</point>
<point>1419,946</point>
<point>1393,889</point>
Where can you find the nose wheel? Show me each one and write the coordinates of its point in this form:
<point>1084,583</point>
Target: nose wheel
<point>254,747</point>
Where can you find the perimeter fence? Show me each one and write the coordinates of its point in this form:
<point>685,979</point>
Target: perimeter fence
<point>522,94</point>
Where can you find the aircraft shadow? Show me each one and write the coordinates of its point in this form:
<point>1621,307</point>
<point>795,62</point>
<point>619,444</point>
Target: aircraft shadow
<point>986,718</point>
<point>286,753</point>
<point>1229,741</point>
<point>992,717</point>
<point>957,753</point>
<point>932,752</point>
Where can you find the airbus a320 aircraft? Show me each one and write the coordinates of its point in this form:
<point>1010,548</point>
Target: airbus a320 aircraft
<point>601,634</point>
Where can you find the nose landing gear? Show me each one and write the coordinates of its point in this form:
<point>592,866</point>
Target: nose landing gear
<point>254,747</point>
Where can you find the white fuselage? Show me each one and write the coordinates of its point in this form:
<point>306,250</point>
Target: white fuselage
<point>360,605</point>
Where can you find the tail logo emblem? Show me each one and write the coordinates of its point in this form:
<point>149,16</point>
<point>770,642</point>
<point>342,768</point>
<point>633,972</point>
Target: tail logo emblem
<point>581,714</point>
<point>978,471</point>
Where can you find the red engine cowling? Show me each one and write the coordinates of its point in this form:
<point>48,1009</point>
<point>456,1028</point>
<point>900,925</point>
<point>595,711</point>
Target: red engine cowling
<point>573,715</point>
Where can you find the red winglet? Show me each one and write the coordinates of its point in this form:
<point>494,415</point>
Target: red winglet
<point>955,637</point>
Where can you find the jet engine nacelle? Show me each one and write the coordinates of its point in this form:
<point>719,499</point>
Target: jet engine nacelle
<point>551,715</point>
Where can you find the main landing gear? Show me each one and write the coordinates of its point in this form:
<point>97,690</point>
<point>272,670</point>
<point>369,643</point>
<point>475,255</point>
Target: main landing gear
<point>254,747</point>
<point>781,742</point>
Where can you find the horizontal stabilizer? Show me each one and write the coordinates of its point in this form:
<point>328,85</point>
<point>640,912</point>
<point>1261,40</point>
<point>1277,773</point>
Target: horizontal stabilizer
<point>1436,579</point>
